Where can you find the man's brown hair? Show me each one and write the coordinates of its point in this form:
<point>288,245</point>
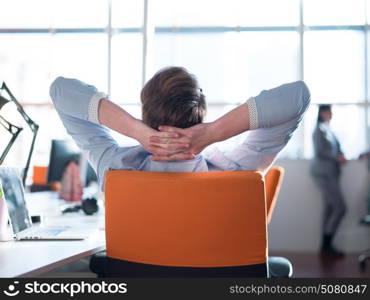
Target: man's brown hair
<point>172,97</point>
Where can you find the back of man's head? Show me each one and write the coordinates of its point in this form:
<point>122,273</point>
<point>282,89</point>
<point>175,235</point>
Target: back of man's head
<point>172,97</point>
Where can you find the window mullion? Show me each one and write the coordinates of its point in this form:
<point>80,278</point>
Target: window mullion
<point>366,62</point>
<point>148,39</point>
<point>109,37</point>
<point>303,149</point>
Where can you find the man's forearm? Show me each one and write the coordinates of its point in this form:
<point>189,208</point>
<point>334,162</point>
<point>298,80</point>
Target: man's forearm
<point>231,124</point>
<point>270,108</point>
<point>202,135</point>
<point>116,118</point>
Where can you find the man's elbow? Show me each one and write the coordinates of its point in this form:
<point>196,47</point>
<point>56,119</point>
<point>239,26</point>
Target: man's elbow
<point>55,89</point>
<point>304,95</point>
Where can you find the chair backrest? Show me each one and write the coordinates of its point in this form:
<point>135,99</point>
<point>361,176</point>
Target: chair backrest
<point>39,175</point>
<point>273,181</point>
<point>205,219</point>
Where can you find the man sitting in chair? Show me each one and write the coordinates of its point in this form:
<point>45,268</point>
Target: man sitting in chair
<point>172,133</point>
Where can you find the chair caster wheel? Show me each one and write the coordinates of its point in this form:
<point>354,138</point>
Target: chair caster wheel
<point>362,262</point>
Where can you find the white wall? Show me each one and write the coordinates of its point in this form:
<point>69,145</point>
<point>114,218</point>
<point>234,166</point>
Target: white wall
<point>296,221</point>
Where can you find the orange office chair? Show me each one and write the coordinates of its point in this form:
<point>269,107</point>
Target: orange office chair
<point>39,180</point>
<point>273,181</point>
<point>278,266</point>
<point>206,224</point>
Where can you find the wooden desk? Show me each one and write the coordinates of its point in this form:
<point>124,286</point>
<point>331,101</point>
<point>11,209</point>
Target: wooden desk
<point>31,258</point>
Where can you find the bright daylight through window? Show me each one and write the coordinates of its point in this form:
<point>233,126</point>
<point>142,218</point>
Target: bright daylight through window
<point>236,51</point>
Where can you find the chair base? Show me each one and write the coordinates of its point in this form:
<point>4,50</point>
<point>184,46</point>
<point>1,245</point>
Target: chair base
<point>280,267</point>
<point>363,257</point>
<point>104,266</point>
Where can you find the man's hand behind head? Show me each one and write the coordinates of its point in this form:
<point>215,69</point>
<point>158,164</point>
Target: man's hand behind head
<point>196,138</point>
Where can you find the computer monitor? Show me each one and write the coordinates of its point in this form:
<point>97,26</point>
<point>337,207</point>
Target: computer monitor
<point>62,152</point>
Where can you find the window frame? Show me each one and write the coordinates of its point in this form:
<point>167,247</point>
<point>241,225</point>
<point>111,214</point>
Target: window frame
<point>148,30</point>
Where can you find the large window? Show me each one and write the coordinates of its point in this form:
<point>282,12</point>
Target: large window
<point>242,47</point>
<point>236,48</point>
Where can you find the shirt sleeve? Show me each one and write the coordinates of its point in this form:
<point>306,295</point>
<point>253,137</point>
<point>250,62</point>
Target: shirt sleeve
<point>274,116</point>
<point>77,105</point>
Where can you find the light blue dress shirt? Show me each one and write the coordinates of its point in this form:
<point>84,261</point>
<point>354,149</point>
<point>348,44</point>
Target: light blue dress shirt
<point>274,115</point>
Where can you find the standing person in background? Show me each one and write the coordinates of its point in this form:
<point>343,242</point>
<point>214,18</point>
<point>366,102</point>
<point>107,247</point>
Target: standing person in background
<point>366,155</point>
<point>325,169</point>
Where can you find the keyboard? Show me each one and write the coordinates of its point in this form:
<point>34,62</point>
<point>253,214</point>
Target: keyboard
<point>41,233</point>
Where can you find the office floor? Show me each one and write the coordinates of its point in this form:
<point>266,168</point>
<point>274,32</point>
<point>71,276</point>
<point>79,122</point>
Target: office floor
<point>313,265</point>
<point>304,264</point>
<point>78,269</point>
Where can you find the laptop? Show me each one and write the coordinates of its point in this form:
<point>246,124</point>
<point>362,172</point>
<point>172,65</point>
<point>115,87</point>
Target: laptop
<point>20,220</point>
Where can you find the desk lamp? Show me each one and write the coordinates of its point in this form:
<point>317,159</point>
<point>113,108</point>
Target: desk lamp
<point>14,130</point>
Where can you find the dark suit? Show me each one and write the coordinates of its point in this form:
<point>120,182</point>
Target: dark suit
<point>325,169</point>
